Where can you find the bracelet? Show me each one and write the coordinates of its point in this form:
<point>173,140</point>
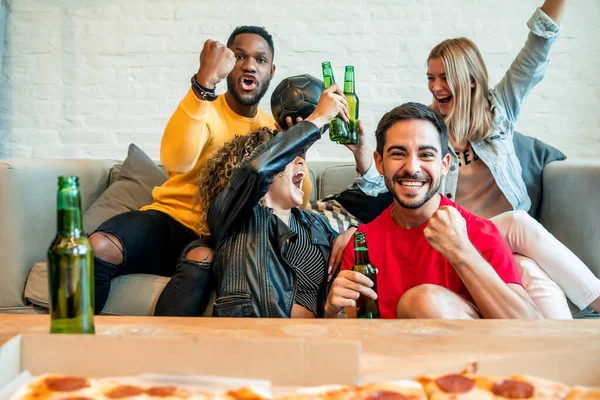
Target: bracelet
<point>203,92</point>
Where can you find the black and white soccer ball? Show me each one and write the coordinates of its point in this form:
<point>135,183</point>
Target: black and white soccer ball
<point>296,96</point>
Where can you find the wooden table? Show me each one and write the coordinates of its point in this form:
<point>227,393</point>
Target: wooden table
<point>391,346</point>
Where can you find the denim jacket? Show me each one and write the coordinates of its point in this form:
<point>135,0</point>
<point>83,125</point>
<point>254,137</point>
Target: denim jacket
<point>497,151</point>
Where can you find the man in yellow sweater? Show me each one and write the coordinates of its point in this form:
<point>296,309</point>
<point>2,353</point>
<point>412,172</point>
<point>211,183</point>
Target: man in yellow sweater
<point>162,238</point>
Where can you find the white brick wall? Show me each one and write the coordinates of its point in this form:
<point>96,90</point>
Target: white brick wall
<point>84,78</point>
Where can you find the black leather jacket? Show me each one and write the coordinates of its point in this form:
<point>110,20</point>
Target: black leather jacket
<point>252,277</point>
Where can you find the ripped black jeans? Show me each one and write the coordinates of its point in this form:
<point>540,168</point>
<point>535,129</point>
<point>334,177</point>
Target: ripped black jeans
<point>154,243</point>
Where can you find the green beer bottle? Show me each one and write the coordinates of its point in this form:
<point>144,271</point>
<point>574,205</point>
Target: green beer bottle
<point>338,129</point>
<point>352,100</point>
<point>70,265</point>
<point>365,307</point>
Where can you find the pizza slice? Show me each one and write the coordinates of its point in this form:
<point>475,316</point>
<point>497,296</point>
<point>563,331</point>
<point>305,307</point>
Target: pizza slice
<point>453,386</point>
<point>522,387</point>
<point>583,393</point>
<point>393,390</point>
<point>330,392</point>
<point>245,393</point>
<point>55,386</point>
<point>63,387</point>
<point>108,389</point>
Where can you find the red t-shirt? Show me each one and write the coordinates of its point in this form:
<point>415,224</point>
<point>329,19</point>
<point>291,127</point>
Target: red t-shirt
<point>405,259</point>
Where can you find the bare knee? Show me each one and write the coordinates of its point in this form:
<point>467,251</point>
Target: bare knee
<point>417,301</point>
<point>433,301</point>
<point>107,247</point>
<point>200,254</point>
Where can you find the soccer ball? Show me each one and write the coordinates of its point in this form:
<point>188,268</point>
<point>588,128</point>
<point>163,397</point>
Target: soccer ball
<point>296,96</point>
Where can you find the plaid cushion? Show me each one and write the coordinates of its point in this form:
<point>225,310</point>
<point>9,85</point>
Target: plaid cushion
<point>337,216</point>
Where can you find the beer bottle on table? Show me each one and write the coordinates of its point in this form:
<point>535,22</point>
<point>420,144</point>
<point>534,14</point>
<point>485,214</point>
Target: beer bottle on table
<point>338,129</point>
<point>365,307</point>
<point>352,99</point>
<point>70,265</point>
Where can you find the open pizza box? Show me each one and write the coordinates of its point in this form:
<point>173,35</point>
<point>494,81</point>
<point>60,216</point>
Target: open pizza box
<point>572,364</point>
<point>278,365</point>
<point>282,365</point>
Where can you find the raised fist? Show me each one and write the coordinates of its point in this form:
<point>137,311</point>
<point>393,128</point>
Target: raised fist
<point>216,62</point>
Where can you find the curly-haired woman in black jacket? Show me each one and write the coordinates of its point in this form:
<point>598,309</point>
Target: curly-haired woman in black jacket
<point>270,257</point>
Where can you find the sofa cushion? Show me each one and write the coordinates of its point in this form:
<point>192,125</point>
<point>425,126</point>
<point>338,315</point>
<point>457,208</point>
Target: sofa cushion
<point>335,178</point>
<point>134,294</point>
<point>534,155</point>
<point>334,213</point>
<point>132,189</point>
<point>36,287</point>
<point>313,182</point>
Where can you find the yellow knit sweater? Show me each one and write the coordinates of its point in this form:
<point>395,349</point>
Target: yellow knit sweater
<point>194,133</point>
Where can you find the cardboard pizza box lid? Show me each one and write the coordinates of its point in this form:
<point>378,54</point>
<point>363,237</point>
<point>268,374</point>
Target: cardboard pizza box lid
<point>284,362</point>
<point>571,364</point>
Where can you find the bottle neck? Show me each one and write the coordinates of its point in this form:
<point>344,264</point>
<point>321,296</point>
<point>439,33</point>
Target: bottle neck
<point>361,255</point>
<point>349,81</point>
<point>69,221</point>
<point>349,85</point>
<point>328,79</point>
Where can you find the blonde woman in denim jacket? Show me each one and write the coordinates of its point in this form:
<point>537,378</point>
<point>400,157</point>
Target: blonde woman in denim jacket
<point>481,128</point>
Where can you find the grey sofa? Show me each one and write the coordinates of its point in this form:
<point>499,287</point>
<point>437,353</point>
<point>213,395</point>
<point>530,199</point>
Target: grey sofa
<point>570,209</point>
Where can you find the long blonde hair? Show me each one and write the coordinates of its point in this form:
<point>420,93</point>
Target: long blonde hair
<point>471,117</point>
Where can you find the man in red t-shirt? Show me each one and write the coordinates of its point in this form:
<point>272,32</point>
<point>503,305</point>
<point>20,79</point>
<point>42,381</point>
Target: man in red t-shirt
<point>434,258</point>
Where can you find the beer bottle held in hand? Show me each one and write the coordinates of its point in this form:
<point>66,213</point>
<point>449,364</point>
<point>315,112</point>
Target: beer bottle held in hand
<point>352,99</point>
<point>70,265</point>
<point>365,307</point>
<point>338,129</point>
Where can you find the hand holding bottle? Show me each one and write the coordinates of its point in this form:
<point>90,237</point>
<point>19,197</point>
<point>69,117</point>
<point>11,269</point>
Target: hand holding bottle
<point>331,103</point>
<point>346,289</point>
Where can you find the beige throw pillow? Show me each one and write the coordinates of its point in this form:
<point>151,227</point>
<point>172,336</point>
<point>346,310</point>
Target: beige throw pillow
<point>131,191</point>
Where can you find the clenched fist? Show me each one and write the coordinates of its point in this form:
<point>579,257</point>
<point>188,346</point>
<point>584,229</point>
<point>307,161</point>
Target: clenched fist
<point>216,62</point>
<point>447,232</point>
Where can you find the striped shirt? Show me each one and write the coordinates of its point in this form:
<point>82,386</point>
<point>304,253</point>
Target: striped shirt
<point>308,262</point>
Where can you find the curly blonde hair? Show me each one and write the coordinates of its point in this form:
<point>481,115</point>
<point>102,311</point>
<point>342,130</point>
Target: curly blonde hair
<point>217,171</point>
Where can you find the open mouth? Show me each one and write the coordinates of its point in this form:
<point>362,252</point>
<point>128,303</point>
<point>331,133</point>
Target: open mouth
<point>248,82</point>
<point>297,179</point>
<point>411,183</point>
<point>410,186</point>
<point>444,100</point>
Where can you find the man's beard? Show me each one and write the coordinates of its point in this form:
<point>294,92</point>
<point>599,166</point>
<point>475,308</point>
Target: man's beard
<point>433,189</point>
<point>232,87</point>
